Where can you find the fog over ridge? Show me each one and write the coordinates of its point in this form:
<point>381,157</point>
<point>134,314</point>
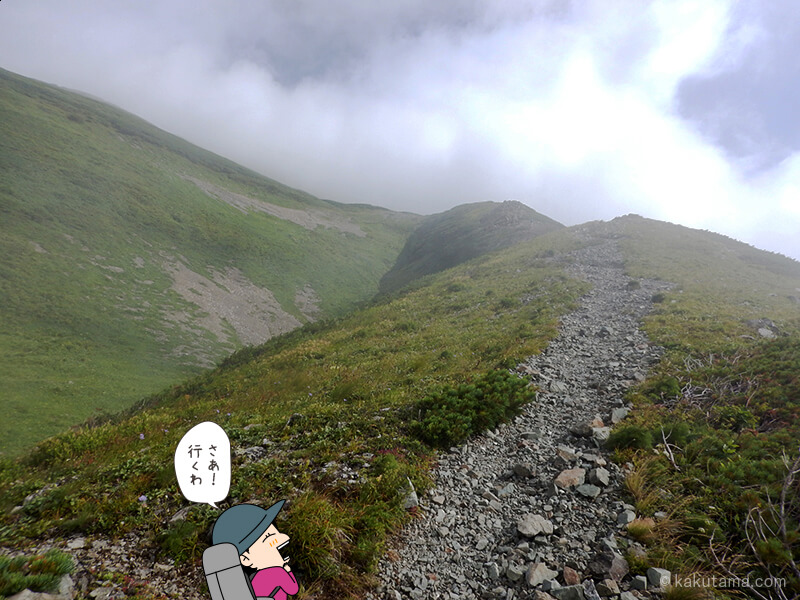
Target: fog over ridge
<point>678,110</point>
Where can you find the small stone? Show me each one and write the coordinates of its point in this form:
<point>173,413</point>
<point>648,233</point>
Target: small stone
<point>515,572</point>
<point>411,500</point>
<point>438,499</point>
<point>523,470</point>
<point>639,583</point>
<point>625,517</point>
<point>570,478</point>
<point>531,435</point>
<point>601,433</point>
<point>538,573</point>
<point>590,591</point>
<point>102,593</point>
<point>570,576</point>
<point>588,490</point>
<point>608,587</point>
<point>628,596</point>
<point>566,453</point>
<point>660,578</point>
<point>619,568</point>
<point>181,514</point>
<point>581,430</point>
<point>29,595</point>
<point>599,476</point>
<point>540,595</point>
<point>569,592</point>
<point>481,543</point>
<point>532,525</point>
<point>66,587</point>
<point>618,414</point>
<point>506,490</point>
<point>76,543</point>
<point>494,571</point>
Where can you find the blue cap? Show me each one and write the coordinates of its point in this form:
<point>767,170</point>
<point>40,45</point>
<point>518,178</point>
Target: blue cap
<point>243,524</point>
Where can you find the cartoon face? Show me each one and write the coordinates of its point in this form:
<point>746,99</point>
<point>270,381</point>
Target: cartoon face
<point>265,551</point>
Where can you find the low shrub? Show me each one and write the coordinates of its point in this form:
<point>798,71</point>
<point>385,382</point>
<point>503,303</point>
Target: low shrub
<point>449,416</point>
<point>40,573</point>
<point>630,436</point>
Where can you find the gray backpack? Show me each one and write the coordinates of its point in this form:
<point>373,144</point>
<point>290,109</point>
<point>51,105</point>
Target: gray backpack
<point>225,575</point>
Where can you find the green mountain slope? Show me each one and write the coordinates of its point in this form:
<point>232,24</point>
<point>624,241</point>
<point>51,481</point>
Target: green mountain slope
<point>132,259</point>
<point>327,416</point>
<point>462,233</point>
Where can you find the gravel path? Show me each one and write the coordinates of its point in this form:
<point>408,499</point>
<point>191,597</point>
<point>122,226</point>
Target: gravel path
<point>534,506</point>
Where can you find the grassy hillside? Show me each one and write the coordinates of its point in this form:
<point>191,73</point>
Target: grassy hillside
<point>325,416</point>
<point>714,438</point>
<point>462,233</point>
<point>132,259</point>
<point>331,417</point>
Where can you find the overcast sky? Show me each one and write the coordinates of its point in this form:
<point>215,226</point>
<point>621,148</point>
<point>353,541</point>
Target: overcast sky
<point>681,111</point>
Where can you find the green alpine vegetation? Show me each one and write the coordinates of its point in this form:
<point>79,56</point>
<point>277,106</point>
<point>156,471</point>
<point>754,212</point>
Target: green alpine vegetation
<point>462,233</point>
<point>715,437</point>
<point>132,259</point>
<point>341,417</point>
<point>327,416</point>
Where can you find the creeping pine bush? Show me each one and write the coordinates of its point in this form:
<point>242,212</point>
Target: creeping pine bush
<point>40,573</point>
<point>450,415</point>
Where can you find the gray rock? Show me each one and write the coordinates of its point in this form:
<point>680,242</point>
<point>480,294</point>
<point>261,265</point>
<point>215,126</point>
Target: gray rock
<point>524,470</point>
<point>639,582</point>
<point>538,573</point>
<point>569,592</point>
<point>29,595</point>
<point>570,478</point>
<point>599,476</point>
<point>532,525</point>
<point>515,572</point>
<point>589,591</point>
<point>619,413</point>
<point>628,596</point>
<point>658,577</point>
<point>411,499</point>
<point>619,568</point>
<point>608,587</point>
<point>76,543</point>
<point>625,517</point>
<point>588,490</point>
<point>66,587</point>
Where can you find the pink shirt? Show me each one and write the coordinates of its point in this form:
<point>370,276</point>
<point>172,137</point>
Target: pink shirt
<point>267,580</point>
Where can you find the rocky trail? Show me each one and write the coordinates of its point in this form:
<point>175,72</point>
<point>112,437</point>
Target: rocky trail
<point>533,509</point>
<point>530,510</point>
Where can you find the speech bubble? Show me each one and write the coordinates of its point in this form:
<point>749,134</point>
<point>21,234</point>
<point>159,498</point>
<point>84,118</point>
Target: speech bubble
<point>203,464</point>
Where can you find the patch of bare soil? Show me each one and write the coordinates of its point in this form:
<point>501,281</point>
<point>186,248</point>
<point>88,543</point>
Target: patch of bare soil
<point>310,219</point>
<point>231,301</point>
<point>307,302</point>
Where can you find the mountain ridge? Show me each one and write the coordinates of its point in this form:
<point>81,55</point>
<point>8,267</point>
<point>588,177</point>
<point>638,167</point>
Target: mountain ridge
<point>464,232</point>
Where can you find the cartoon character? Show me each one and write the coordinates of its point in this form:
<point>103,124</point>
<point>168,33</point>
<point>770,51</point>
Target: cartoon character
<point>257,541</point>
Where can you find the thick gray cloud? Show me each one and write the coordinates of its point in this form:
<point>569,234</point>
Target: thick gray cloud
<point>676,110</point>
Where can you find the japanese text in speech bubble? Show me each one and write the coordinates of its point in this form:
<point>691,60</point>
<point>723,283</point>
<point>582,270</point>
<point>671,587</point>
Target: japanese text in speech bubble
<point>203,464</point>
